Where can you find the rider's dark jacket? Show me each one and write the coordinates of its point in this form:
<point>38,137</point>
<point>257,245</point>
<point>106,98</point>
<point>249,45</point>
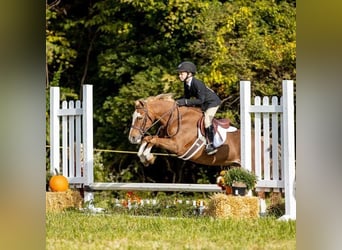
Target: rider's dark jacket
<point>200,95</point>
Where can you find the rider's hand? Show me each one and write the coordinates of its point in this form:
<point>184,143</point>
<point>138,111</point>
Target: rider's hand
<point>182,102</point>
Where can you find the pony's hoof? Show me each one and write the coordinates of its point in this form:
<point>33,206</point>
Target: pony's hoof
<point>144,161</point>
<point>151,159</point>
<point>146,164</point>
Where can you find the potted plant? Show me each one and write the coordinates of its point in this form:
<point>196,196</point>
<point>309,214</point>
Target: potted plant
<point>240,179</point>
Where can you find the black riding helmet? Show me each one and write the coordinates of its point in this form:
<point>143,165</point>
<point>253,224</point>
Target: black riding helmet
<point>187,67</point>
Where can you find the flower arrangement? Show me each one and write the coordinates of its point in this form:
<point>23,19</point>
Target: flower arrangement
<point>220,180</point>
<point>132,203</point>
<point>236,175</point>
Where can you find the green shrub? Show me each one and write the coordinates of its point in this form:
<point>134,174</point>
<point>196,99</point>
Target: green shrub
<point>239,174</point>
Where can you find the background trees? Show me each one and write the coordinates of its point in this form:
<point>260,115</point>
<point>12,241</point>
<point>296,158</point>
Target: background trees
<point>129,49</point>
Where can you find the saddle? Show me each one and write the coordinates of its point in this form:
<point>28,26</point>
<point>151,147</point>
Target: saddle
<point>224,123</point>
<point>201,139</point>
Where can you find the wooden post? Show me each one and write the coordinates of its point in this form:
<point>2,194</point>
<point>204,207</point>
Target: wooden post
<point>245,102</point>
<point>288,154</point>
<point>87,106</point>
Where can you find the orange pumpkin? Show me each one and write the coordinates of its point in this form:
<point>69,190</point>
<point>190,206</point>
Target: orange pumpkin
<point>58,183</point>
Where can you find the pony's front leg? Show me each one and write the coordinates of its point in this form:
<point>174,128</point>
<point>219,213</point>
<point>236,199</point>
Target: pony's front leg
<point>150,158</point>
<point>141,155</point>
<point>145,155</point>
<point>165,143</point>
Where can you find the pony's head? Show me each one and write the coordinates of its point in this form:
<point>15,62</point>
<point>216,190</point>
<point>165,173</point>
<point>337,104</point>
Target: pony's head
<point>144,118</point>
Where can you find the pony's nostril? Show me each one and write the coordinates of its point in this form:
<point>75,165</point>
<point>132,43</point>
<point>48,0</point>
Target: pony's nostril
<point>134,139</point>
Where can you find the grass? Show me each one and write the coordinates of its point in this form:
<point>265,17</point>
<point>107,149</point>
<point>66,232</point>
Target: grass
<point>80,230</point>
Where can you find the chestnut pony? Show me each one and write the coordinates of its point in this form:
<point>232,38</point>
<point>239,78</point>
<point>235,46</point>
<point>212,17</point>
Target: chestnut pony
<point>178,132</point>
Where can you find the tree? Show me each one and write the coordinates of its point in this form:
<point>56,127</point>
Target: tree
<point>129,49</point>
<point>59,53</point>
<point>250,40</point>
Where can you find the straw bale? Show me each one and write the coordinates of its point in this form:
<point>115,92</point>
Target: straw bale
<point>229,206</point>
<point>58,201</point>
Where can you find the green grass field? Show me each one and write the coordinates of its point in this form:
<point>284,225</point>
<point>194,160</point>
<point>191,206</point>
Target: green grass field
<point>79,230</point>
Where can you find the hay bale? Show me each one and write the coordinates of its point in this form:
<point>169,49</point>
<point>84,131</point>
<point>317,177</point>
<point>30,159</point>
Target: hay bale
<point>229,206</point>
<point>58,201</point>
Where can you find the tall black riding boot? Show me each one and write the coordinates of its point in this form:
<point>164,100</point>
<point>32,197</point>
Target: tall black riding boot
<point>210,149</point>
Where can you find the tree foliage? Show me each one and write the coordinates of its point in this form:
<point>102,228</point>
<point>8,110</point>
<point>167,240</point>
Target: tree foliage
<point>129,49</point>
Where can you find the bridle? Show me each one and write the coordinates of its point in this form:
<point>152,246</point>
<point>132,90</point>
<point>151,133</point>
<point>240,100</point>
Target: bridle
<point>144,131</point>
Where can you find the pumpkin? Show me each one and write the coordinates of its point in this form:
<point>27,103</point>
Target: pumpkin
<point>58,183</point>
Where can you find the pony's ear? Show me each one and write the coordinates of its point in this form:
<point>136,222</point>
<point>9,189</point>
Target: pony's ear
<point>139,103</point>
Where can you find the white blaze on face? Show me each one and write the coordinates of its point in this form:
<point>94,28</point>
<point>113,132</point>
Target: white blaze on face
<point>136,115</point>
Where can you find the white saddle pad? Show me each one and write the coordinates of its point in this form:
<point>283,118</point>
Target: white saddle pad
<point>221,135</point>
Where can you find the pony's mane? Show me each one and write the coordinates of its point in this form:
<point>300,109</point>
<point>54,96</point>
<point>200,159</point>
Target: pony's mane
<point>166,96</point>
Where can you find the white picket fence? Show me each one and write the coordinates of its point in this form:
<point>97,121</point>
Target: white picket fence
<point>269,118</point>
<point>71,135</point>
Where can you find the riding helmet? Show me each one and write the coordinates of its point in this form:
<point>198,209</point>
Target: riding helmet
<point>187,67</point>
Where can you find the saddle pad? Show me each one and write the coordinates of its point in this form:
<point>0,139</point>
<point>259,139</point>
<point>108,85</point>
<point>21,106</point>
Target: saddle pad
<point>221,135</point>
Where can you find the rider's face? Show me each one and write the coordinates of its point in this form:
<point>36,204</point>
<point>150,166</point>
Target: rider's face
<point>182,76</point>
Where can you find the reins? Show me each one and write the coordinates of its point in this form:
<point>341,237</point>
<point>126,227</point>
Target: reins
<point>175,106</point>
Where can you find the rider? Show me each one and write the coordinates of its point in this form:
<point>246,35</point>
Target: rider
<point>200,96</point>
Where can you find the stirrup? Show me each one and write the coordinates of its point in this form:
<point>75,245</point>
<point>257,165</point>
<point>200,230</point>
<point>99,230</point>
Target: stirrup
<point>210,150</point>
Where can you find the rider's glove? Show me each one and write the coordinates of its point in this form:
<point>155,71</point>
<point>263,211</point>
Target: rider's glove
<point>182,102</point>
